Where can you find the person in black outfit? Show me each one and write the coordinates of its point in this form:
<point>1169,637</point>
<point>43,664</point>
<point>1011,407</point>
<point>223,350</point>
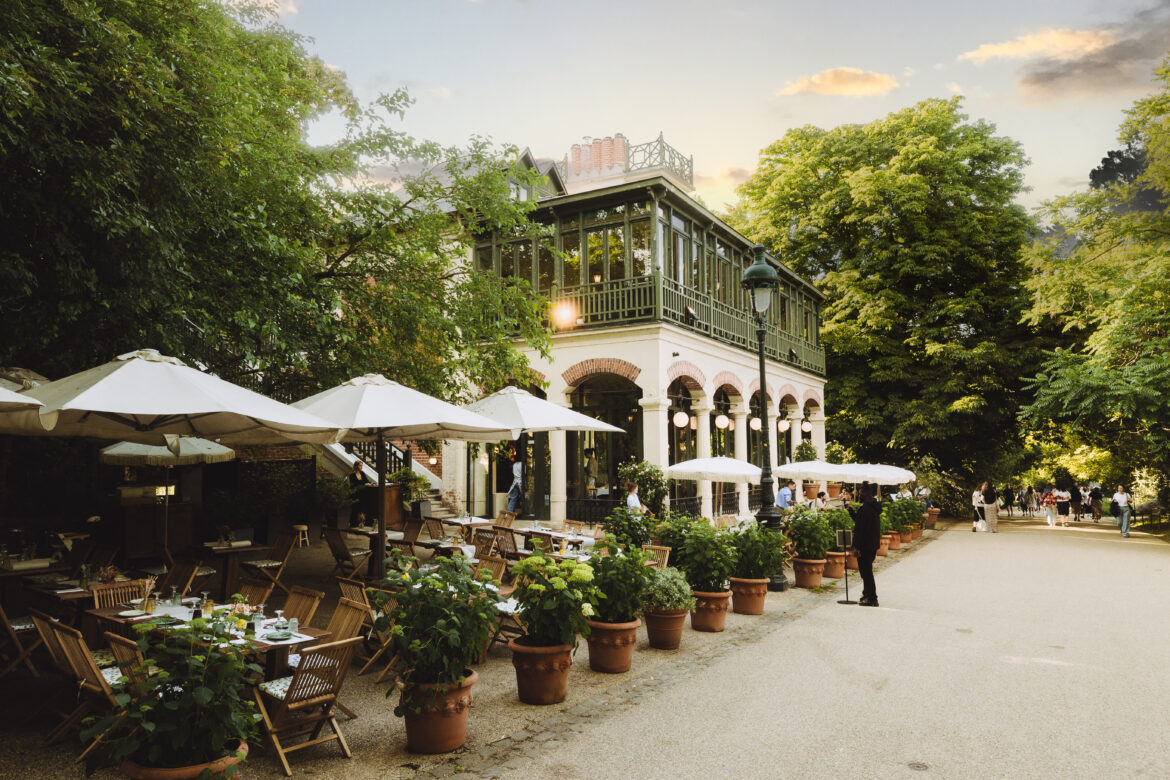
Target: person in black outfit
<point>867,532</point>
<point>357,480</point>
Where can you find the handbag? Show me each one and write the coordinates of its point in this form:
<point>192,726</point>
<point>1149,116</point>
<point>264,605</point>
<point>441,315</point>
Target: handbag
<point>1115,508</point>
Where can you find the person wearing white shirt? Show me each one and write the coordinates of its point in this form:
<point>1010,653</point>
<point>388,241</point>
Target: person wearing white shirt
<point>516,491</point>
<point>1122,501</point>
<point>977,506</point>
<point>924,496</point>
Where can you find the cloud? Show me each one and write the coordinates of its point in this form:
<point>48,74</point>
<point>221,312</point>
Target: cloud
<point>955,88</point>
<point>1066,63</point>
<point>1061,45</point>
<point>280,7</point>
<point>849,82</point>
<point>727,177</point>
<point>907,72</point>
<point>441,93</point>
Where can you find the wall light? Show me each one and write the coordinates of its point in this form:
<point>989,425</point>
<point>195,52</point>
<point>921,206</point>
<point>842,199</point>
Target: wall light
<point>433,461</point>
<point>681,419</point>
<point>721,422</point>
<point>564,315</point>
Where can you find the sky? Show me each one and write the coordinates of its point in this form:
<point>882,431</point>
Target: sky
<point>722,79</point>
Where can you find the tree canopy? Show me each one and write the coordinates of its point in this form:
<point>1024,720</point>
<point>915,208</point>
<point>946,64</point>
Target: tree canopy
<point>909,227</point>
<point>159,192</point>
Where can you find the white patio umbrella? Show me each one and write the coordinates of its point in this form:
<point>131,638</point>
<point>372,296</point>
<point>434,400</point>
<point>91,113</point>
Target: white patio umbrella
<point>373,407</point>
<point>11,401</point>
<point>142,396</point>
<point>718,469</point>
<point>816,470</point>
<point>878,473</point>
<point>178,451</point>
<point>523,412</point>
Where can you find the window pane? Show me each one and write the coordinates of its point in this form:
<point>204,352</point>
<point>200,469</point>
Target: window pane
<point>508,260</point>
<point>597,256</point>
<point>546,268</point>
<point>483,259</point>
<point>642,207</point>
<point>617,253</point>
<point>681,251</point>
<point>524,260</point>
<point>640,245</point>
<point>662,261</point>
<point>571,247</point>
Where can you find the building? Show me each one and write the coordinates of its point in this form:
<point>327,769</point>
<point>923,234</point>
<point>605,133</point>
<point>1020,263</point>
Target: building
<point>652,333</point>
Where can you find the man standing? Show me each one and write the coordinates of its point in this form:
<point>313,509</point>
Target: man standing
<point>867,536</point>
<point>1122,509</point>
<point>784,497</point>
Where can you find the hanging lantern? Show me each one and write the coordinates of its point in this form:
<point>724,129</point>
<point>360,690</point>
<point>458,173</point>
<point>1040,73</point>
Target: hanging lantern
<point>681,419</point>
<point>721,422</point>
<point>756,424</point>
<point>694,423</point>
<point>806,426</point>
<point>783,425</point>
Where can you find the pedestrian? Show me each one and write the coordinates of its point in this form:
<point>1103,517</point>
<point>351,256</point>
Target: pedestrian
<point>977,506</point>
<point>784,497</point>
<point>1086,502</point>
<point>1009,499</point>
<point>1122,509</point>
<point>820,502</point>
<point>590,473</point>
<point>1074,498</point>
<point>1095,497</point>
<point>633,503</point>
<point>867,536</point>
<point>1062,497</point>
<point>991,507</point>
<point>1022,499</point>
<point>1048,501</point>
<point>924,496</point>
<point>357,480</point>
<point>516,491</point>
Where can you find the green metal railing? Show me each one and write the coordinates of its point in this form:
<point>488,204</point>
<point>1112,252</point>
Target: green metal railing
<point>655,298</point>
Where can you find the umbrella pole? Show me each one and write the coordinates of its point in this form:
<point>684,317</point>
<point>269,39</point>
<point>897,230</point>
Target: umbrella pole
<point>166,546</point>
<point>383,504</point>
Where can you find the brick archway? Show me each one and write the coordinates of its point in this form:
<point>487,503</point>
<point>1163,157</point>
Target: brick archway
<point>690,374</point>
<point>789,395</point>
<point>811,397</point>
<point>728,379</point>
<point>576,374</point>
<point>754,387</point>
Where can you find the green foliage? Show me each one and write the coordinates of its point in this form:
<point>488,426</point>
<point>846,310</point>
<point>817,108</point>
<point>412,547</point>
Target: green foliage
<point>196,700</point>
<point>667,590</point>
<point>810,534</point>
<point>1063,478</point>
<point>442,620</point>
<point>629,527</point>
<point>838,453</point>
<point>671,531</point>
<point>805,451</point>
<point>415,487</point>
<point>910,226</point>
<point>555,599</point>
<point>707,558</point>
<point>759,552</point>
<point>838,519</point>
<point>333,494</point>
<point>652,485</point>
<point>621,576</point>
<point>159,191</point>
<point>901,515</point>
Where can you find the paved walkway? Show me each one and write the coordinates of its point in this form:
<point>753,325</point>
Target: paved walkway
<point>1034,652</point>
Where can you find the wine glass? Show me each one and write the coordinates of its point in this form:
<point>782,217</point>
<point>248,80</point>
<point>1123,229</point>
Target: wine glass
<point>174,594</point>
<point>280,618</point>
<point>259,614</point>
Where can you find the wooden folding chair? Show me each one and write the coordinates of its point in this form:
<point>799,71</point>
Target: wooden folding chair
<point>506,543</point>
<point>726,521</point>
<point>180,576</point>
<point>302,604</point>
<point>659,555</point>
<point>93,684</point>
<point>505,518</point>
<point>384,639</point>
<point>498,567</point>
<point>349,560</point>
<point>129,661</point>
<point>542,541</point>
<point>12,649</point>
<point>104,555</point>
<point>44,623</point>
<point>345,623</point>
<point>113,594</point>
<point>256,591</point>
<point>411,533</point>
<point>300,705</point>
<point>78,556</point>
<point>575,527</point>
<point>272,568</point>
<point>484,540</point>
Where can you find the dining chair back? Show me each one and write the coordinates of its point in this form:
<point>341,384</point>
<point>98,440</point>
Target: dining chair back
<point>434,528</point>
<point>78,555</point>
<point>111,594</point>
<point>272,568</point>
<point>300,705</point>
<point>412,531</point>
<point>93,687</point>
<point>354,590</point>
<point>302,604</point>
<point>255,591</point>
<point>129,660</point>
<point>506,542</point>
<point>505,518</point>
<point>12,649</point>
<point>485,541</point>
<point>542,542</point>
<point>104,555</point>
<point>725,521</point>
<point>179,576</point>
<point>659,555</point>
<point>348,560</point>
<point>44,626</point>
<point>406,548</point>
<point>497,566</point>
<point>347,619</point>
<point>574,527</point>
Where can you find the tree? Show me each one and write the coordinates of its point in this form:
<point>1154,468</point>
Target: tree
<point>159,191</point>
<point>909,228</point>
<point>1124,166</point>
<point>1104,273</point>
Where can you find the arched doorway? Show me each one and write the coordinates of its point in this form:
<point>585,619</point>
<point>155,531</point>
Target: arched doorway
<point>612,399</point>
<point>681,441</point>
<point>724,497</point>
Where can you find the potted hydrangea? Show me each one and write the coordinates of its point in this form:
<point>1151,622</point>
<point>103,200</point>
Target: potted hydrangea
<point>665,603</point>
<point>707,558</point>
<point>811,537</point>
<point>556,599</point>
<point>442,619</point>
<point>621,577</point>
<point>759,554</point>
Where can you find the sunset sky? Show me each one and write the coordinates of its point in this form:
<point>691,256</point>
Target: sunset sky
<point>723,79</point>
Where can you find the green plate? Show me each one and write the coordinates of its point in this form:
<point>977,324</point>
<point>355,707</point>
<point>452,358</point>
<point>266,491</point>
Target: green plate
<point>278,636</point>
<point>165,620</point>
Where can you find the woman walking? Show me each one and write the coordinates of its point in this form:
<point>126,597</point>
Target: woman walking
<point>990,507</point>
<point>977,507</point>
<point>1122,501</point>
<point>1062,502</point>
<point>1033,501</point>
<point>1049,504</point>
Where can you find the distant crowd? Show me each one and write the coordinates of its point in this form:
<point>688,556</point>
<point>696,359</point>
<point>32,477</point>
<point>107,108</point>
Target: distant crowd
<point>1057,504</point>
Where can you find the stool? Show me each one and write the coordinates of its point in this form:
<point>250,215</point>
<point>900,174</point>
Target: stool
<point>302,535</point>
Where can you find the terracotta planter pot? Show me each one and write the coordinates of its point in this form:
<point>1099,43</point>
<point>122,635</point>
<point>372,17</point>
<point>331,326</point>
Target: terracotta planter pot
<point>883,546</point>
<point>665,627</point>
<point>710,612</point>
<point>917,532</point>
<point>137,772</point>
<point>895,540</point>
<point>851,560</point>
<point>442,725</point>
<point>834,489</point>
<point>907,536</point>
<point>809,573</point>
<point>748,595</point>
<point>611,646</point>
<point>542,673</point>
<point>932,516</point>
<point>834,565</point>
<point>810,491</point>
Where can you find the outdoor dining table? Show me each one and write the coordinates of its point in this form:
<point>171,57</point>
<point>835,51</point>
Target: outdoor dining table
<point>467,525</point>
<point>14,580</point>
<point>231,562</point>
<point>572,539</point>
<point>372,533</point>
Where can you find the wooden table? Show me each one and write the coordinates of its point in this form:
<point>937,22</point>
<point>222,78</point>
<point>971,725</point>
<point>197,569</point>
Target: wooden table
<point>12,583</point>
<point>570,538</point>
<point>276,656</point>
<point>230,564</point>
<point>372,534</point>
<point>467,525</point>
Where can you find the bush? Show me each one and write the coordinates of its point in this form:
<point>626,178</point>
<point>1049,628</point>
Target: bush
<point>672,531</point>
<point>838,453</point>
<point>415,487</point>
<point>838,519</point>
<point>628,527</point>
<point>707,557</point>
<point>810,534</point>
<point>333,495</point>
<point>902,515</point>
<point>667,589</point>
<point>555,599</point>
<point>651,482</point>
<point>621,577</point>
<point>805,451</point>
<point>759,552</point>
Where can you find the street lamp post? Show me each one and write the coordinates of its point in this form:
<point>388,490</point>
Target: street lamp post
<point>761,280</point>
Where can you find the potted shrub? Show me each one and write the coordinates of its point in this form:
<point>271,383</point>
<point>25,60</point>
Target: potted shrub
<point>555,598</point>
<point>414,486</point>
<point>628,527</point>
<point>836,453</point>
<point>333,495</point>
<point>812,538</point>
<point>759,553</point>
<point>195,715</point>
<point>666,601</point>
<point>671,531</point>
<point>903,516</point>
<point>443,618</point>
<point>707,558</point>
<point>652,484</point>
<point>805,451</point>
<point>838,520</point>
<point>887,534</point>
<point>621,578</point>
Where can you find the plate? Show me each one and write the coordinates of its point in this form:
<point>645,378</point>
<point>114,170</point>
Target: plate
<point>278,636</point>
<point>131,613</point>
<point>165,620</point>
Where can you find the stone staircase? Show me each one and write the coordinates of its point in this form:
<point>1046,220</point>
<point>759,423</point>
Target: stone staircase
<point>438,508</point>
